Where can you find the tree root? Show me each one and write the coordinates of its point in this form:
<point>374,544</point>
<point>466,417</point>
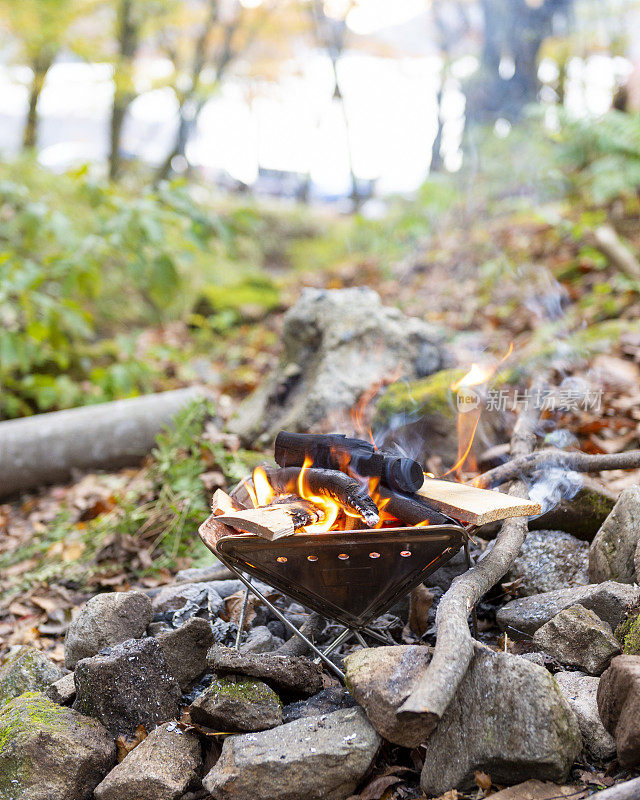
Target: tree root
<point>578,462</point>
<point>454,645</point>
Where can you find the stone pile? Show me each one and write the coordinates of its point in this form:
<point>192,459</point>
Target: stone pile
<point>155,703</point>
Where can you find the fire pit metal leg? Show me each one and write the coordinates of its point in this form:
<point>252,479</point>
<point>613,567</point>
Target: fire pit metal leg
<point>360,638</point>
<point>243,616</point>
<point>286,622</point>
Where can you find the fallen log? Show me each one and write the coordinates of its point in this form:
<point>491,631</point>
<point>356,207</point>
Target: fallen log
<point>576,462</point>
<point>454,648</point>
<point>346,491</point>
<point>47,448</point>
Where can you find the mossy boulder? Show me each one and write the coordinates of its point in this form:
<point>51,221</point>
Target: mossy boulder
<point>237,703</point>
<point>612,552</point>
<point>48,752</point>
<point>26,670</point>
<point>421,416</point>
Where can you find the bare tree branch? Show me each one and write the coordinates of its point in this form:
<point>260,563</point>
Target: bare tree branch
<point>454,645</point>
<point>578,462</point>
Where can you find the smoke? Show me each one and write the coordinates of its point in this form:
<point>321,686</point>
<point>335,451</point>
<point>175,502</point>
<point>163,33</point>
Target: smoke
<point>554,485</point>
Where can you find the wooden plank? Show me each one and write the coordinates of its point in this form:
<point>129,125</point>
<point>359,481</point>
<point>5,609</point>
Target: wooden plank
<point>469,504</point>
<point>272,522</point>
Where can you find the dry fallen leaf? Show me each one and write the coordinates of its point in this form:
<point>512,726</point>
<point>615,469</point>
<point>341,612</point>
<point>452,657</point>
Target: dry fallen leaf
<point>125,746</point>
<point>421,602</point>
<point>483,781</point>
<point>72,551</point>
<point>233,608</point>
<point>376,789</point>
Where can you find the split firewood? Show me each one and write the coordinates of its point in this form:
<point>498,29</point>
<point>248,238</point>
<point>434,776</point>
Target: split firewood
<point>222,503</point>
<point>471,504</point>
<point>275,521</point>
<point>577,462</point>
<point>345,491</point>
<point>454,648</point>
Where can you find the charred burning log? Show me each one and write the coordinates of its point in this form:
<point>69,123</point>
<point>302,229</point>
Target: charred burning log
<point>337,452</point>
<point>345,491</point>
<point>412,510</point>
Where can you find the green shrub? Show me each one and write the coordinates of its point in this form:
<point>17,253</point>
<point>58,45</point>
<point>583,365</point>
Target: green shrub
<point>81,260</point>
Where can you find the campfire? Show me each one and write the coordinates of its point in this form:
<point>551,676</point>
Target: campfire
<point>345,528</point>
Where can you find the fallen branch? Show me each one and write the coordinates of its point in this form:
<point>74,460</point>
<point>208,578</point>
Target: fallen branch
<point>629,790</point>
<point>609,243</point>
<point>578,462</point>
<point>454,645</point>
<point>346,491</point>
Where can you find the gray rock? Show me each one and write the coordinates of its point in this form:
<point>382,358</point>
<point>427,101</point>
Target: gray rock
<point>62,691</point>
<point>316,758</point>
<point>580,692</point>
<point>180,603</point>
<point>26,670</point>
<point>126,686</point>
<point>536,658</point>
<point>259,640</point>
<point>48,752</point>
<point>214,572</point>
<point>380,679</point>
<point>619,707</point>
<point>509,719</point>
<point>324,702</point>
<point>105,620</point>
<point>162,767</point>
<point>550,560</point>
<point>289,673</point>
<point>337,343</point>
<point>578,638</point>
<point>612,551</point>
<point>236,703</point>
<point>185,650</point>
<point>521,618</point>
<point>443,577</point>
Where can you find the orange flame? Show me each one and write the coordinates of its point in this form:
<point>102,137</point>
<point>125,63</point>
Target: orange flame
<point>327,506</point>
<point>263,491</point>
<point>469,417</point>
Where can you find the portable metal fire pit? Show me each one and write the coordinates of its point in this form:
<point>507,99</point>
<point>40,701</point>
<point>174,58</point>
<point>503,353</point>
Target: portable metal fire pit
<point>351,577</point>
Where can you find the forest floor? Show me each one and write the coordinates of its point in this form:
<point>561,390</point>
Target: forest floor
<point>487,273</point>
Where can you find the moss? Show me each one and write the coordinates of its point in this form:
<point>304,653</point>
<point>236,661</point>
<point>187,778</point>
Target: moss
<point>246,689</point>
<point>427,396</point>
<point>628,634</point>
<point>27,670</point>
<point>22,716</point>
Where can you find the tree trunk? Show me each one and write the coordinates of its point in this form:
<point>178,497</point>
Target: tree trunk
<point>40,68</point>
<point>514,29</point>
<point>185,128</point>
<point>128,35</point>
